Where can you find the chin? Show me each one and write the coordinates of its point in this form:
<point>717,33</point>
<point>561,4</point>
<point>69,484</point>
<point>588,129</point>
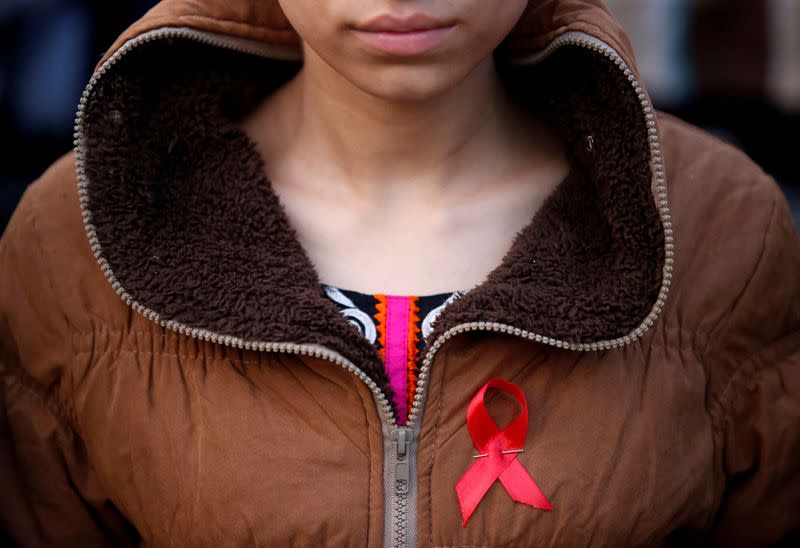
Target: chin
<point>410,84</point>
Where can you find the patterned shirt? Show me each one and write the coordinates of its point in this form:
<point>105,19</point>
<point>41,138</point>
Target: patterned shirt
<point>398,326</point>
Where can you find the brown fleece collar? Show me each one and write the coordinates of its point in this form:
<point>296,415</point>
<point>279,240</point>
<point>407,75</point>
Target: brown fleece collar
<point>192,230</point>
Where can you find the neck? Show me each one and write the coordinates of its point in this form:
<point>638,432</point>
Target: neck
<point>346,135</point>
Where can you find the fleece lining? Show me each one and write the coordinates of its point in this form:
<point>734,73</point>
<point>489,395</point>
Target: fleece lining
<point>189,223</point>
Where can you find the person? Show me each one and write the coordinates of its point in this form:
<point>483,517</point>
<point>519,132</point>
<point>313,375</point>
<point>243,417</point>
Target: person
<point>212,310</point>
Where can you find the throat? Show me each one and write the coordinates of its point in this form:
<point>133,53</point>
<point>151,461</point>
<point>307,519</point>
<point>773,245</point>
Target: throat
<point>317,130</point>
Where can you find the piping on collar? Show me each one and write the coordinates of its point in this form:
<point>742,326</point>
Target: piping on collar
<point>184,222</point>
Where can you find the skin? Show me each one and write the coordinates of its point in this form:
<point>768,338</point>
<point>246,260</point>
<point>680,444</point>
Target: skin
<point>404,175</point>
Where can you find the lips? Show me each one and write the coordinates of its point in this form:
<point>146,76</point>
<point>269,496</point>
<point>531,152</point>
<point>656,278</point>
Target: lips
<point>403,36</point>
<point>416,22</point>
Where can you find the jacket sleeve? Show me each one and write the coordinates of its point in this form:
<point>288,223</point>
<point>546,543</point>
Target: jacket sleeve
<point>50,494</point>
<point>757,346</point>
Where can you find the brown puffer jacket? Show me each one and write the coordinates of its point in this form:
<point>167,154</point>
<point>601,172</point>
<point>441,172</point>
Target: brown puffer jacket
<point>179,378</point>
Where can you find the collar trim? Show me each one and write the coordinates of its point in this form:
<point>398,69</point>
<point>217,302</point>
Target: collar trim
<point>128,212</point>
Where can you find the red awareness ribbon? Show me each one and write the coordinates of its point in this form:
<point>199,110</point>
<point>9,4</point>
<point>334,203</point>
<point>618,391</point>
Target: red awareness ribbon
<point>498,455</point>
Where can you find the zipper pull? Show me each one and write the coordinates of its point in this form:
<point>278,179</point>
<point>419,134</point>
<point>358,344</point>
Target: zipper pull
<point>401,437</point>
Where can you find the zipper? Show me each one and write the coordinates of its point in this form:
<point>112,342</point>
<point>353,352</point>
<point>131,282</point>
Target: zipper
<point>399,531</point>
<point>401,438</point>
<point>400,451</point>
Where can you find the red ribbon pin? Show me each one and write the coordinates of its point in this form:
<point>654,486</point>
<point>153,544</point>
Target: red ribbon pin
<point>498,455</point>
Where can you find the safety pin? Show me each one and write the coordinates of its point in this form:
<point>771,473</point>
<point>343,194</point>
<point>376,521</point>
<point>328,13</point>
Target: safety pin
<point>503,452</point>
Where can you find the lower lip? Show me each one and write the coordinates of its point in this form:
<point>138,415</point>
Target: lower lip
<point>405,43</point>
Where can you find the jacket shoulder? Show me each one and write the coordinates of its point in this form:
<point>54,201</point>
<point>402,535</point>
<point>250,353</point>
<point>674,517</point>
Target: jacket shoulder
<point>697,161</point>
<point>49,211</point>
<point>733,230</point>
<point>52,287</point>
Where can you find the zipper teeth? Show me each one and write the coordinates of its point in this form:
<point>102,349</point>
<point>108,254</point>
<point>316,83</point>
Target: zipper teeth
<point>660,187</point>
<point>402,508</point>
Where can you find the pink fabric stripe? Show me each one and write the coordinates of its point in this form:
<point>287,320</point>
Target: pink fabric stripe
<point>396,350</point>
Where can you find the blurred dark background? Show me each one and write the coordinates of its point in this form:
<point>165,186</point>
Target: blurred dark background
<point>731,66</point>
<point>48,49</point>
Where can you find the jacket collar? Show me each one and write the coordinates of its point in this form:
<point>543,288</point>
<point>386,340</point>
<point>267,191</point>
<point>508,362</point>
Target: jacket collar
<point>189,232</point>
